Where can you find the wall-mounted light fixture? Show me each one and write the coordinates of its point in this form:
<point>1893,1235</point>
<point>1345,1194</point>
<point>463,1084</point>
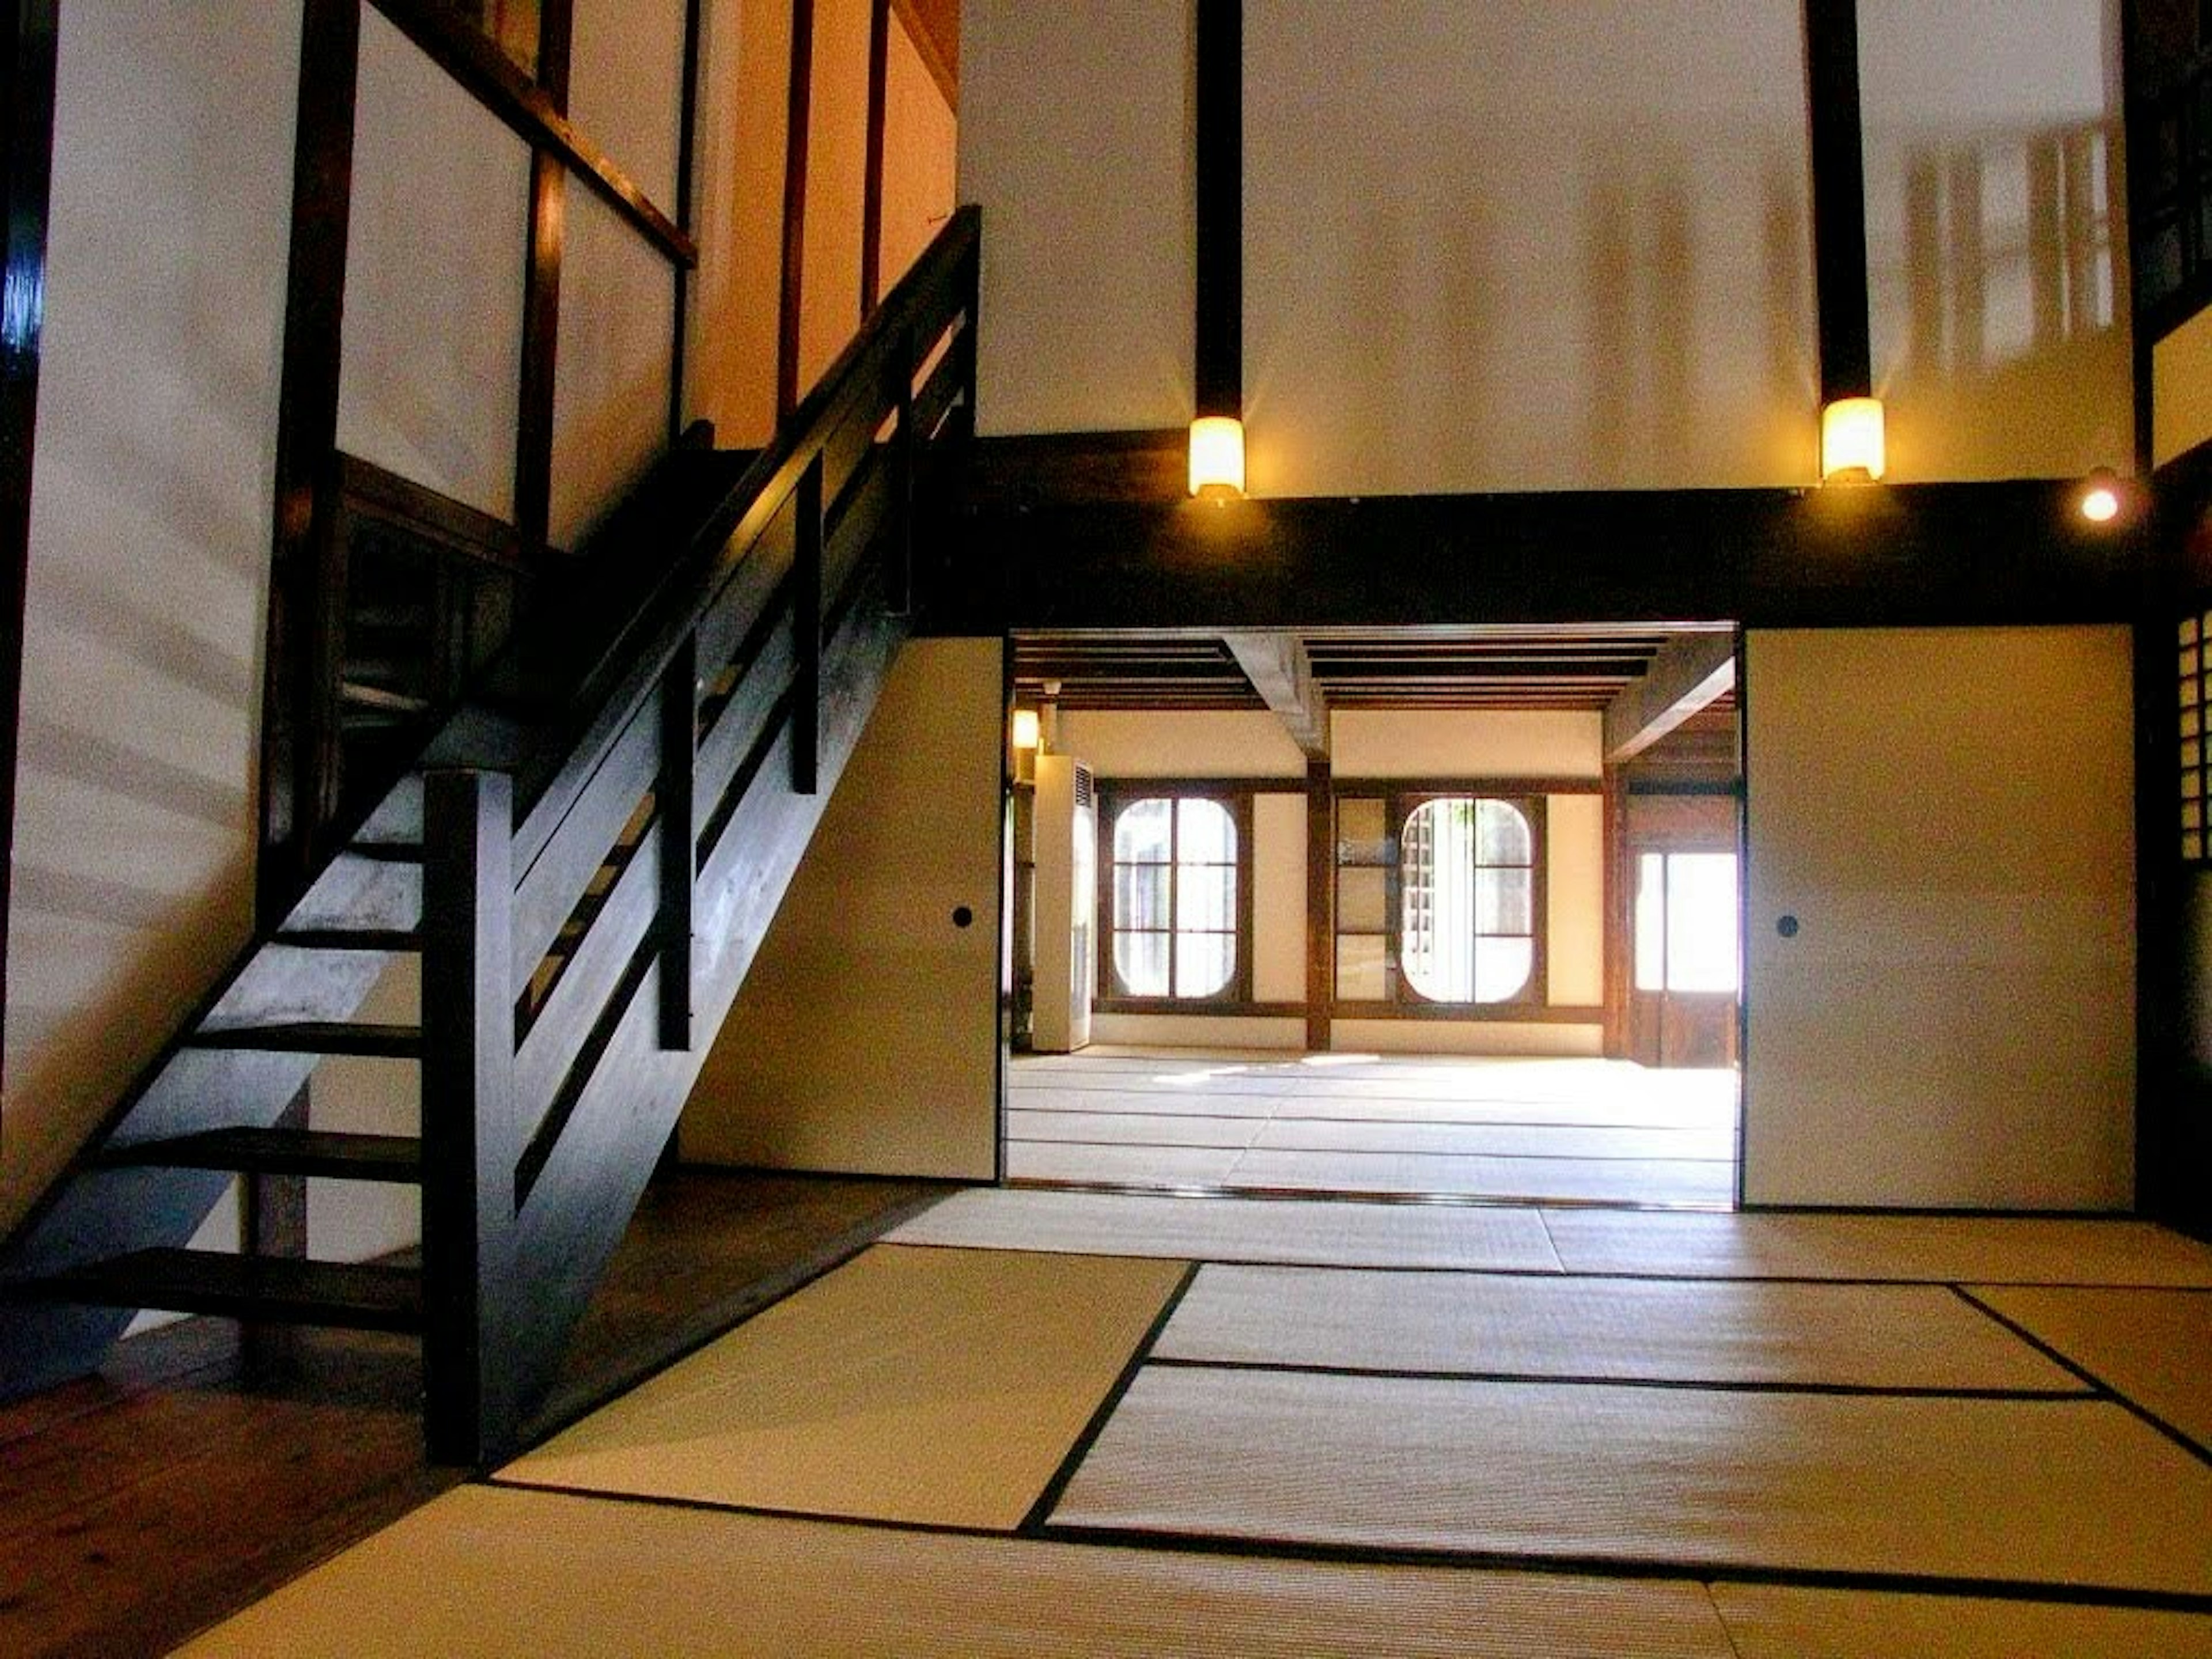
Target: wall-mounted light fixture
<point>1217,456</point>
<point>2102,497</point>
<point>1028,731</point>
<point>1025,729</point>
<point>1853,444</point>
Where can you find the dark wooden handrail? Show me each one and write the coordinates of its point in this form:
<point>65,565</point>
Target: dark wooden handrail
<point>568,990</point>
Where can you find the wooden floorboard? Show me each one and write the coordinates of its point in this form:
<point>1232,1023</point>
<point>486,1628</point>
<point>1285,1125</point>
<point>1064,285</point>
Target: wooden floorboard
<point>197,1471</point>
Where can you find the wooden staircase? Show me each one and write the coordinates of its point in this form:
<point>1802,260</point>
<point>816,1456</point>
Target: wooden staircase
<point>584,860</point>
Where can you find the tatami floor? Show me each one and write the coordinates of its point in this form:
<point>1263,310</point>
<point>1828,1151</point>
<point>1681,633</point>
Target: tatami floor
<point>1548,1131</point>
<point>1080,1423</point>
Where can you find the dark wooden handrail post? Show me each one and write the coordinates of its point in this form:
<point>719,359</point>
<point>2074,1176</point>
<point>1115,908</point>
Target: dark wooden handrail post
<point>806,629</point>
<point>469,1134</point>
<point>680,835</point>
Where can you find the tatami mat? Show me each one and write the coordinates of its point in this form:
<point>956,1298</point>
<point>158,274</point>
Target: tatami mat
<point>2028,1492</point>
<point>1305,1134</point>
<point>484,1572</point>
<point>1129,1128</point>
<point>1135,1166</point>
<point>932,1386</point>
<point>1935,1248</point>
<point>2153,1346</point>
<point>1907,1336</point>
<point>1239,1229</point>
<point>1615,1180</point>
<point>1769,1622</point>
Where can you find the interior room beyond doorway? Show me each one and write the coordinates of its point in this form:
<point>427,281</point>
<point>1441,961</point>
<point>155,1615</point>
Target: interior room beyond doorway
<point>1404,1127</point>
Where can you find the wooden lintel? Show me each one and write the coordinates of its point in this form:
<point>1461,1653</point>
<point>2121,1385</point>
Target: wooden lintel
<point>1687,674</point>
<point>1282,672</point>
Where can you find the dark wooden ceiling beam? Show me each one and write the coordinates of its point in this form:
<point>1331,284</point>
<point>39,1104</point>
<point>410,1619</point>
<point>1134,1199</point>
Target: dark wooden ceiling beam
<point>1689,674</point>
<point>1948,553</point>
<point>1276,665</point>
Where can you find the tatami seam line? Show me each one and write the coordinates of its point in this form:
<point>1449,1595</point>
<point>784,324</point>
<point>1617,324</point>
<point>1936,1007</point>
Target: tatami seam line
<point>1695,1385</point>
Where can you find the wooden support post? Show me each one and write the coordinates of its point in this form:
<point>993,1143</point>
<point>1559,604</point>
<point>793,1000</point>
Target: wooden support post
<point>806,629</point>
<point>679,832</point>
<point>1321,904</point>
<point>470,1136</point>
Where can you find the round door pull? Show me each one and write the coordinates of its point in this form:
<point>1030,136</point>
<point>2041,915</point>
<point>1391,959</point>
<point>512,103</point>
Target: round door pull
<point>962,916</point>
<point>1787,927</point>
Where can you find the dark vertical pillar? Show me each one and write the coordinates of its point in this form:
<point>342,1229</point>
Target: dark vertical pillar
<point>26,58</point>
<point>1218,358</point>
<point>798,104</point>
<point>687,151</point>
<point>872,192</point>
<point>541,300</point>
<point>1321,904</point>
<point>1839,256</point>
<point>296,746</point>
<point>470,1143</point>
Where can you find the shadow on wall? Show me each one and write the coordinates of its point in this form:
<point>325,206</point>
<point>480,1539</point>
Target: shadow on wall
<point>1462,338</point>
<point>2014,289</point>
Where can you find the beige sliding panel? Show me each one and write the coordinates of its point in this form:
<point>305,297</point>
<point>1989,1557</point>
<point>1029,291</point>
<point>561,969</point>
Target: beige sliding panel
<point>865,1038</point>
<point>1939,952</point>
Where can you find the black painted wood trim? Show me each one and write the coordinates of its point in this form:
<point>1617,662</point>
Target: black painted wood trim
<point>798,113</point>
<point>872,190</point>
<point>1905,555</point>
<point>541,295</point>
<point>1840,256</point>
<point>26,58</point>
<point>1218,357</point>
<point>687,154</point>
<point>306,437</point>
<point>534,116</point>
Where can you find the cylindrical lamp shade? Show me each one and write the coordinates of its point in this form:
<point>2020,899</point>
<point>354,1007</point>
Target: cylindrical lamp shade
<point>1025,728</point>
<point>1852,443</point>
<point>1217,455</point>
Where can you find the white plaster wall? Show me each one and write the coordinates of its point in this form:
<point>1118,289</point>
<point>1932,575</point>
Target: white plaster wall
<point>836,186</point>
<point>626,88</point>
<point>1521,245</point>
<point>920,159</point>
<point>1998,285</point>
<point>429,385</point>
<point>1574,939</point>
<point>150,513</point>
<point>1219,743</point>
<point>1450,743</point>
<point>1279,898</point>
<point>1075,136</point>
<point>745,53</point>
<point>610,379</point>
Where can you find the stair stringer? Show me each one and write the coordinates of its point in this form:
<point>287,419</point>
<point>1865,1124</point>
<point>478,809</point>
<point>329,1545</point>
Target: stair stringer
<point>582,1201</point>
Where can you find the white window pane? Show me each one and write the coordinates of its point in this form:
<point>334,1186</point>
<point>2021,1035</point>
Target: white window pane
<point>1505,836</point>
<point>1204,962</point>
<point>1701,921</point>
<point>1206,898</point>
<point>1651,922</point>
<point>1504,900</point>
<point>1359,904</point>
<point>1140,963</point>
<point>1140,896</point>
<point>1207,833</point>
<point>1141,832</point>
<point>1502,968</point>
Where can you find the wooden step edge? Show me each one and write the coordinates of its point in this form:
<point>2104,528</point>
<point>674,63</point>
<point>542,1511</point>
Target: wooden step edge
<point>349,938</point>
<point>331,1154</point>
<point>358,1296</point>
<point>315,1037</point>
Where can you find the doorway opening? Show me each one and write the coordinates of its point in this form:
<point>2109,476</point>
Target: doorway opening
<point>1362,914</point>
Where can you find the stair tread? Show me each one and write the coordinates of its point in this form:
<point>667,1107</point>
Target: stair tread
<point>351,938</point>
<point>369,1296</point>
<point>281,1151</point>
<point>315,1037</point>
